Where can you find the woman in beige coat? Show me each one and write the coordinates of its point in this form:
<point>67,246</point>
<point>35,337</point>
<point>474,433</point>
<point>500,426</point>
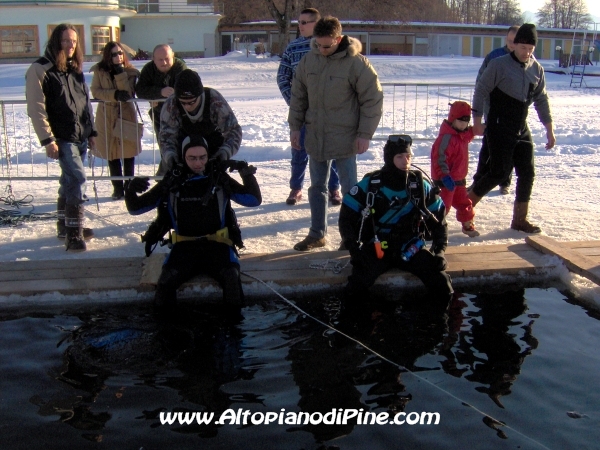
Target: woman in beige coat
<point>113,82</point>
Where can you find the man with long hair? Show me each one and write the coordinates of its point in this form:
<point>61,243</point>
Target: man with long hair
<point>58,103</point>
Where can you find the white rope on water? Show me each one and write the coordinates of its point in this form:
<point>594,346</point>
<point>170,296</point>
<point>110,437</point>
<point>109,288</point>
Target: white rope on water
<point>495,422</point>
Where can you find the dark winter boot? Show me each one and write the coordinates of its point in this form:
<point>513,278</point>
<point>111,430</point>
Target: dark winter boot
<point>74,226</point>
<point>61,229</point>
<point>520,222</point>
<point>114,167</point>
<point>232,286</point>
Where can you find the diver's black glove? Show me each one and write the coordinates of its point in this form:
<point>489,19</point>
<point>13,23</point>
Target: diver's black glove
<point>138,184</point>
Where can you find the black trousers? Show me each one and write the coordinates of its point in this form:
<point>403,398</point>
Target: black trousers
<point>508,148</point>
<point>116,170</point>
<point>191,258</point>
<point>483,164</point>
<point>368,268</point>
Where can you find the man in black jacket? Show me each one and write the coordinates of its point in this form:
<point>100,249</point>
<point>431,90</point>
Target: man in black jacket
<point>58,103</point>
<point>510,84</point>
<point>157,81</point>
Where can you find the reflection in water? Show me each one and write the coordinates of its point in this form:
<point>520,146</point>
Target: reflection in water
<point>193,353</point>
<point>492,350</point>
<point>208,360</point>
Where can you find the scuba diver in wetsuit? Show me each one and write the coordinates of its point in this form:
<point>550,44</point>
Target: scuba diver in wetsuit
<point>385,220</point>
<point>193,200</point>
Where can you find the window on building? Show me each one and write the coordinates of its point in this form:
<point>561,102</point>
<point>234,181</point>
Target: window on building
<point>100,37</point>
<point>18,40</point>
<point>497,43</point>
<point>117,36</point>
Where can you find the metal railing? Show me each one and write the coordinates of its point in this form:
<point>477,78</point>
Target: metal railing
<point>16,140</point>
<point>123,4</point>
<point>177,7</point>
<point>417,109</point>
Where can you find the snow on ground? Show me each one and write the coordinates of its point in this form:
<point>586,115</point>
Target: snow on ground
<point>565,201</point>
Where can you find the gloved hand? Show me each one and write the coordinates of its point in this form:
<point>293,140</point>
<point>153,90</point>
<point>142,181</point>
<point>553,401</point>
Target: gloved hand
<point>440,262</point>
<point>221,155</point>
<point>449,183</point>
<point>232,164</point>
<point>248,170</point>
<point>138,184</point>
<point>118,68</point>
<point>122,96</point>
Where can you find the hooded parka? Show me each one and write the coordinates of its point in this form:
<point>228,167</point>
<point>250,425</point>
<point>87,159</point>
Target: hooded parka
<point>338,97</point>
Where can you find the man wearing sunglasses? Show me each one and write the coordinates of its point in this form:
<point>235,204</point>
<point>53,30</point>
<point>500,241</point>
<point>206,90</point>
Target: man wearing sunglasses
<point>194,109</point>
<point>336,94</point>
<point>285,74</point>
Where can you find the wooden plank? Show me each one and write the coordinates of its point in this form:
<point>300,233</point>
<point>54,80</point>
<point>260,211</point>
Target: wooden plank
<point>575,261</point>
<point>151,269</point>
<point>68,286</point>
<point>41,275</point>
<point>68,264</point>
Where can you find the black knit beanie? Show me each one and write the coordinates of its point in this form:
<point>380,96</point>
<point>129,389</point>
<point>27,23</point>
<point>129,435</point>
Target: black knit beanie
<point>188,85</point>
<point>527,34</point>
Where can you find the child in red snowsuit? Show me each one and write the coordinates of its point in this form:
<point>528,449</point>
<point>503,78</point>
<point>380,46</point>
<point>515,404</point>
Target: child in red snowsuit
<point>450,164</point>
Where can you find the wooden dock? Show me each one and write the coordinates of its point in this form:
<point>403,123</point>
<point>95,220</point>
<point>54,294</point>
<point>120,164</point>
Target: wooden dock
<point>108,279</point>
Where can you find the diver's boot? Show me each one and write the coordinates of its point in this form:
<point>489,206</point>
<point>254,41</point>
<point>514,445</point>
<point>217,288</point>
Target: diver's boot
<point>520,222</point>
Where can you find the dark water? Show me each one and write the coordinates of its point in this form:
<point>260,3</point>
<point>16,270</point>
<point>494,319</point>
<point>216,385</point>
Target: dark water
<point>527,362</point>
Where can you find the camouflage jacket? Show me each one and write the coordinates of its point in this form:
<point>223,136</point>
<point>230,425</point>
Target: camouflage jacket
<point>221,115</point>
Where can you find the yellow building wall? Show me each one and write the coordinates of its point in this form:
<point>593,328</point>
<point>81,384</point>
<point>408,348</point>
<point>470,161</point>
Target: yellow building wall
<point>546,48</point>
<point>466,45</point>
<point>487,45</point>
<point>567,48</point>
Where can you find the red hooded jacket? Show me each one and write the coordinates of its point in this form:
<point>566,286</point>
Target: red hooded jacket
<point>450,153</point>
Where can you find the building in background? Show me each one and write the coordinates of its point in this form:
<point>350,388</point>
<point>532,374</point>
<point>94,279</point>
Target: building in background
<point>189,27</point>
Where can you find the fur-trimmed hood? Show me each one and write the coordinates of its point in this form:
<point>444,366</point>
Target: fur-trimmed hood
<point>348,44</point>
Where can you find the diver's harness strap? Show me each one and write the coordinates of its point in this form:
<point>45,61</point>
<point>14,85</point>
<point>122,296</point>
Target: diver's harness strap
<point>416,195</point>
<point>221,236</point>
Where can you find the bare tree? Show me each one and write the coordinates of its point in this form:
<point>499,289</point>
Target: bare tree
<point>283,20</point>
<point>567,14</point>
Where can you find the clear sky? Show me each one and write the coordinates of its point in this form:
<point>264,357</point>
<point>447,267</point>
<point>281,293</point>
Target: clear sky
<point>593,6</point>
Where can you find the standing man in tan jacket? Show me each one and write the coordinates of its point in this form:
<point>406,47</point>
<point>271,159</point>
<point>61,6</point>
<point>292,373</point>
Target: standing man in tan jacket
<point>336,94</point>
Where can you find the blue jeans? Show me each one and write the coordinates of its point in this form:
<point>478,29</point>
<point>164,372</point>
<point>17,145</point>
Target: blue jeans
<point>317,192</point>
<point>72,177</point>
<point>299,161</point>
